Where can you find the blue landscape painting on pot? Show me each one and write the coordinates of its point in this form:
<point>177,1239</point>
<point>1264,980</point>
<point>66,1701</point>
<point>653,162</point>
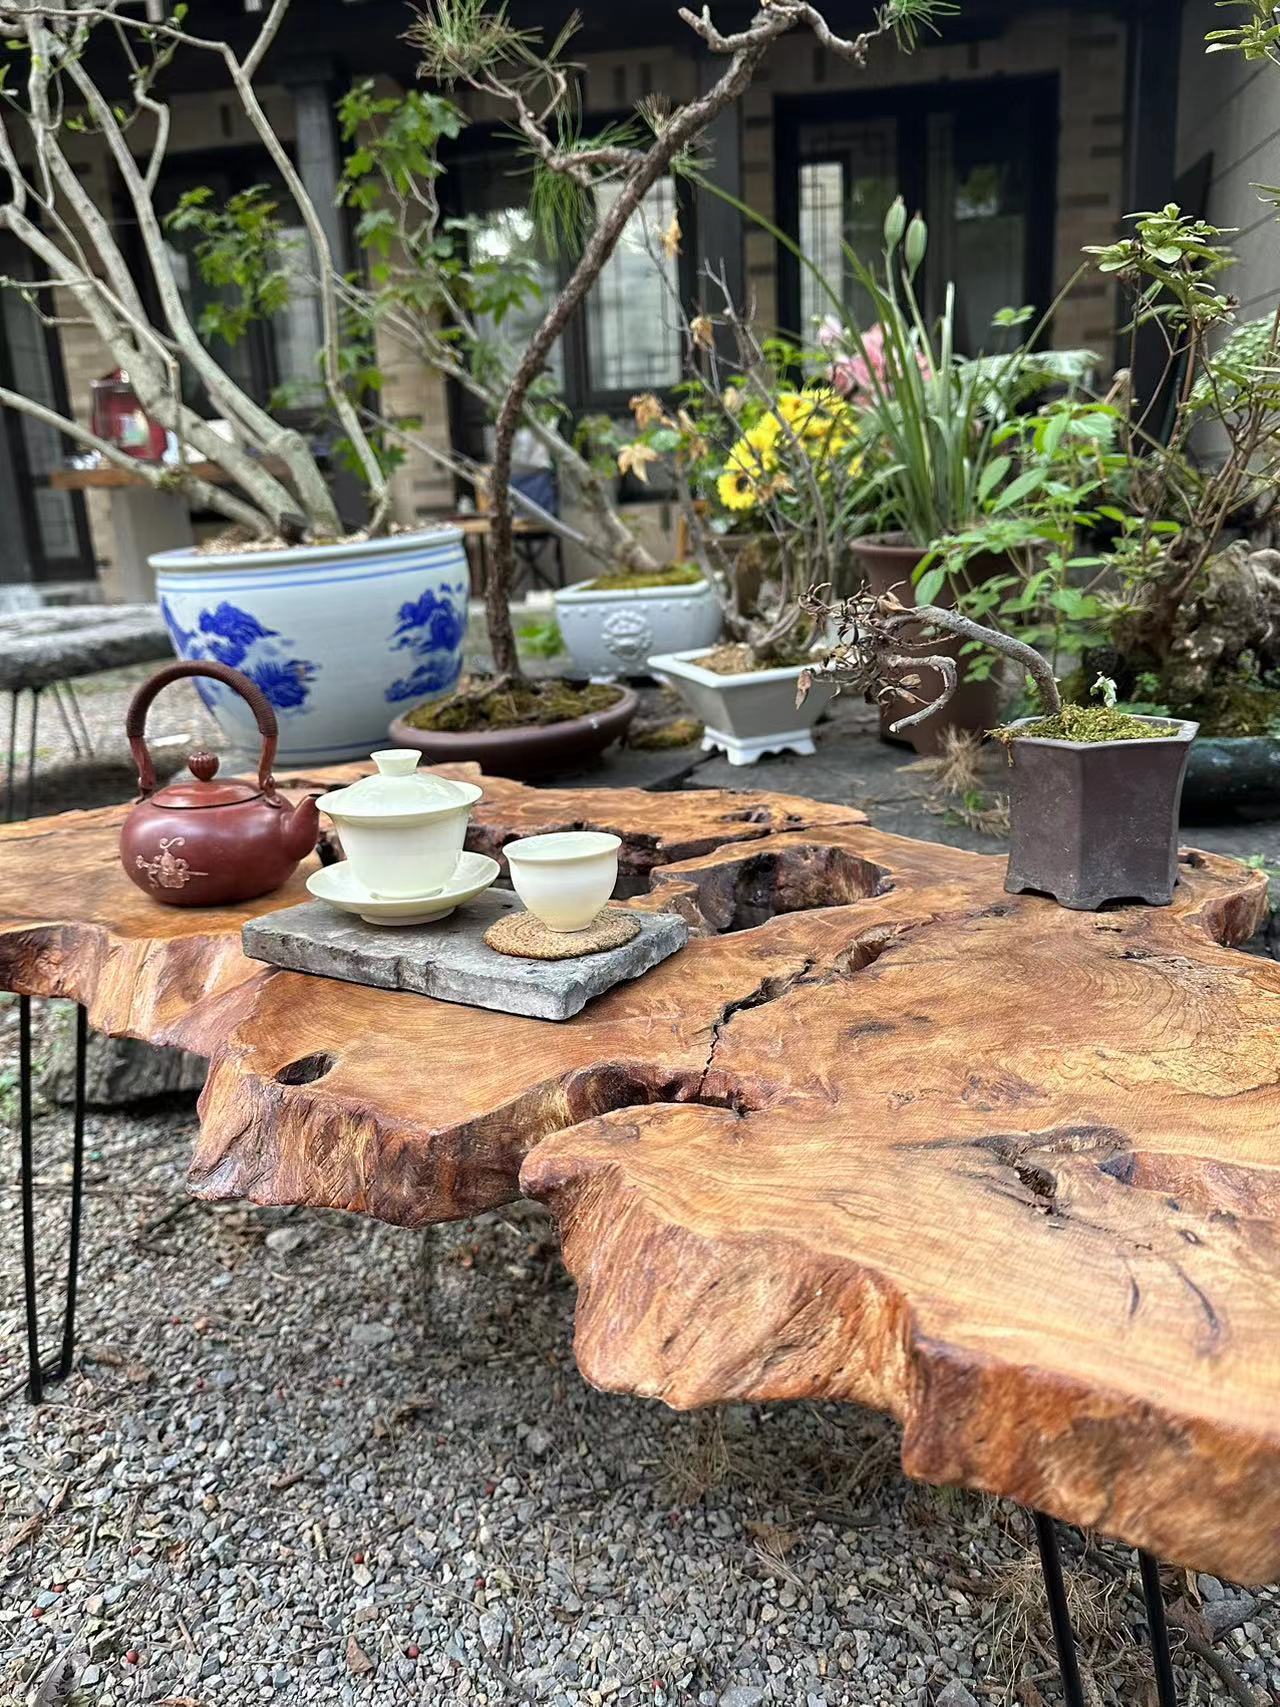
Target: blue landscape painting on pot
<point>339,638</point>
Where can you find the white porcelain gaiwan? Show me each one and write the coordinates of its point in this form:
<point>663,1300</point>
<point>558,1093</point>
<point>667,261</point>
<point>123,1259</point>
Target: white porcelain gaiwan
<point>402,832</point>
<point>564,878</point>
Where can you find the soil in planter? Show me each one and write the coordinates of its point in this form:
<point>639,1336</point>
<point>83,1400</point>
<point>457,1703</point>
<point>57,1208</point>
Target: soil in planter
<point>513,705</point>
<point>1087,724</point>
<point>739,659</point>
<point>635,580</point>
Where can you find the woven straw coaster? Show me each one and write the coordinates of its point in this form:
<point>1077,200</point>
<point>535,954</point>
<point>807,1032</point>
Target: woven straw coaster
<point>522,935</point>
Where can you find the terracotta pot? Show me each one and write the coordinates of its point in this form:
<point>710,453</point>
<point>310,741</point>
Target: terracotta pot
<point>887,561</point>
<point>1097,821</point>
<point>529,750</point>
<point>201,841</point>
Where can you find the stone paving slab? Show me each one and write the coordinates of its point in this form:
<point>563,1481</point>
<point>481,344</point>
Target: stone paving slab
<point>450,960</point>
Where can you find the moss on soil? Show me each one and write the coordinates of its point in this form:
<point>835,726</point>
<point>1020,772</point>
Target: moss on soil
<point>660,737</point>
<point>515,705</point>
<point>634,580</point>
<point>1088,724</point>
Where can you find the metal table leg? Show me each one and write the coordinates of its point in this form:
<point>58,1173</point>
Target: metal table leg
<point>1060,1618</point>
<point>40,1374</point>
<point>1158,1631</point>
<point>1059,1613</point>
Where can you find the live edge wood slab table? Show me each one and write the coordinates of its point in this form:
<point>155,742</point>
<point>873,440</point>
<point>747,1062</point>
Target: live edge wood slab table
<point>880,1133</point>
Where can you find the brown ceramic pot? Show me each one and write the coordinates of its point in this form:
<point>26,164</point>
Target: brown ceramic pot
<point>532,750</point>
<point>1097,821</point>
<point>201,842</point>
<point>887,561</point>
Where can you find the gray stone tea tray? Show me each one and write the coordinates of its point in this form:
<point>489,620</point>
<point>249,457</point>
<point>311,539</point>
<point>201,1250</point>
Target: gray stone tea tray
<point>450,959</point>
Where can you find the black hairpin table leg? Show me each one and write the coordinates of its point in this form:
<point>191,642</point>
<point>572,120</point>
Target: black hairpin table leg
<point>1158,1630</point>
<point>1059,1613</point>
<point>40,1374</point>
<point>1060,1619</point>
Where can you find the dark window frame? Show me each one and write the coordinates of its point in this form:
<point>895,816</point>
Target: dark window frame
<point>911,106</point>
<point>483,142</point>
<point>24,480</point>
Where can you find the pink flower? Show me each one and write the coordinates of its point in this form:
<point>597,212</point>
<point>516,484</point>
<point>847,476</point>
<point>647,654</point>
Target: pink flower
<point>850,375</point>
<point>831,333</point>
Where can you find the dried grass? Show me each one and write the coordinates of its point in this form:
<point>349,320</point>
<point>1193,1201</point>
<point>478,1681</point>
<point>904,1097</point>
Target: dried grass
<point>956,786</point>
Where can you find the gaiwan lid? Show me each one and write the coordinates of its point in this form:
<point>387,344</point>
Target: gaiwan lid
<point>398,792</point>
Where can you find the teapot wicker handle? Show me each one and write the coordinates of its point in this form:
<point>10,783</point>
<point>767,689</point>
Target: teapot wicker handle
<point>135,723</point>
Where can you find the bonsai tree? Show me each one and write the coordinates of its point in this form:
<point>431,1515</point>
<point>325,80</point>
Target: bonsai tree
<point>464,43</point>
<point>868,652</point>
<point>51,100</point>
<point>1093,791</point>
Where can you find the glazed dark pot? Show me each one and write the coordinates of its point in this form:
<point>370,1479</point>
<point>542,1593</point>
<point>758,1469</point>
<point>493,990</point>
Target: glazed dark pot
<point>1092,822</point>
<point>532,750</point>
<point>887,561</point>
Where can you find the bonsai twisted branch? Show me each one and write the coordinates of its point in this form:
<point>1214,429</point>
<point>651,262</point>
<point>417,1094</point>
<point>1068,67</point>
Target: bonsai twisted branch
<point>867,655</point>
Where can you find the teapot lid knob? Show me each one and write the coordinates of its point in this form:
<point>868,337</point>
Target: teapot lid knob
<point>203,766</point>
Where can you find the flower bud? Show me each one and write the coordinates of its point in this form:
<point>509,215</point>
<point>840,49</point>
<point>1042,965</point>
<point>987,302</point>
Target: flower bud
<point>916,244</point>
<point>895,223</point>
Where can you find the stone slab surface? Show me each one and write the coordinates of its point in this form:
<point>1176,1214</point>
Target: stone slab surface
<point>54,644</point>
<point>450,960</point>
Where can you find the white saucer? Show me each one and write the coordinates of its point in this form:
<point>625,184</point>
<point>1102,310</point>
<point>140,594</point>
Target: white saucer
<point>337,884</point>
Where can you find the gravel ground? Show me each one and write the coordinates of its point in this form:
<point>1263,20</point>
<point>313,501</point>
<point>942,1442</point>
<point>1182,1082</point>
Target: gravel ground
<point>310,1459</point>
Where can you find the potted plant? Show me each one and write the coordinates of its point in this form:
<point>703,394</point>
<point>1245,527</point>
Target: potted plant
<point>465,45</point>
<point>764,465</point>
<point>614,622</point>
<point>1094,791</point>
<point>1193,630</point>
<point>935,419</point>
<point>1142,527</point>
<point>331,623</point>
<point>439,294</point>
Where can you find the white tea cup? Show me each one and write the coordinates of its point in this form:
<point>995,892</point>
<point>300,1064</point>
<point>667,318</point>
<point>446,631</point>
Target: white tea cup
<point>565,877</point>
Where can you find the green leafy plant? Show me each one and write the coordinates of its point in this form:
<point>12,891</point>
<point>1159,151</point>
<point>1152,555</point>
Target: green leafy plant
<point>542,639</point>
<point>934,413</point>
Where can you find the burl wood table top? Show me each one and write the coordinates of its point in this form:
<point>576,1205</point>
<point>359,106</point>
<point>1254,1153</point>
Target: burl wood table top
<point>880,1133</point>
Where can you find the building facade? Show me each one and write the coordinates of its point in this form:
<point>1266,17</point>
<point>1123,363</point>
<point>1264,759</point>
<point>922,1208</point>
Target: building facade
<point>1023,133</point>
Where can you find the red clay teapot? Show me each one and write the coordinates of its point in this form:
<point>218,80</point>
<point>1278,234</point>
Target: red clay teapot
<point>201,842</point>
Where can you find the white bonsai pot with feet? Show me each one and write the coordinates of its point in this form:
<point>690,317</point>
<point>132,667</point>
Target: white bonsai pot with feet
<point>747,715</point>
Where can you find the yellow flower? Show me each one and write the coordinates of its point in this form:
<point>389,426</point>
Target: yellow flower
<point>790,405</point>
<point>767,431</point>
<point>736,491</point>
<point>761,443</point>
<point>749,459</point>
<point>671,238</point>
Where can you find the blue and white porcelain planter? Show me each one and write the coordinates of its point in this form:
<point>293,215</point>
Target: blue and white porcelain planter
<point>338,637</point>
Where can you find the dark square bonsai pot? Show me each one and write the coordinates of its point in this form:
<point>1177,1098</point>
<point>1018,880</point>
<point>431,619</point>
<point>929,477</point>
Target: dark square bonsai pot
<point>1092,822</point>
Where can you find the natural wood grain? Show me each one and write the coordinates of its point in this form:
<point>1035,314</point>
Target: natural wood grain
<point>1009,1172</point>
<point>880,1133</point>
<point>71,924</point>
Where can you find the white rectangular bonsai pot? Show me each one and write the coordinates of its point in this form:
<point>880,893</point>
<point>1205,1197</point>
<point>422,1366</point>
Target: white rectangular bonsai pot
<point>747,715</point>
